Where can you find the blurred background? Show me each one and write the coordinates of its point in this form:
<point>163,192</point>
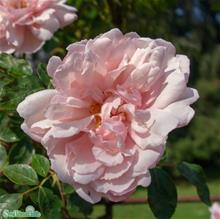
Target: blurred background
<point>194,28</point>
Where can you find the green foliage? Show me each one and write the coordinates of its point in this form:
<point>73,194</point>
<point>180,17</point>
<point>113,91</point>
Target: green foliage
<point>2,192</point>
<point>67,189</point>
<point>10,202</point>
<point>6,133</point>
<point>21,174</point>
<point>162,194</point>
<point>40,164</point>
<point>43,76</point>
<point>17,81</point>
<point>78,207</point>
<point>50,204</point>
<point>21,152</point>
<point>14,66</point>
<point>195,175</point>
<point>3,157</point>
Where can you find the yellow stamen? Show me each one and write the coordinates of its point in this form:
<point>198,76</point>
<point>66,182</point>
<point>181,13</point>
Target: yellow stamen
<point>23,3</point>
<point>95,108</point>
<point>123,116</point>
<point>98,121</point>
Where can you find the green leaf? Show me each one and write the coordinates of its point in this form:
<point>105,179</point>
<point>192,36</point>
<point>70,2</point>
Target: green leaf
<point>16,82</point>
<point>40,164</point>
<point>67,189</point>
<point>3,157</point>
<point>7,135</point>
<point>10,201</point>
<point>15,67</point>
<point>76,206</point>
<point>21,152</point>
<point>2,192</point>
<point>34,197</point>
<point>162,194</point>
<point>21,174</point>
<point>50,204</point>
<point>196,176</point>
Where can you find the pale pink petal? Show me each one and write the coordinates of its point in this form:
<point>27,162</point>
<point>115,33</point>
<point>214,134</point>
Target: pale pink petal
<point>114,34</point>
<point>145,180</point>
<point>107,158</point>
<point>59,163</point>
<point>45,25</point>
<point>181,108</point>
<point>84,161</point>
<point>66,112</point>
<point>53,64</point>
<point>146,159</point>
<point>116,171</point>
<point>116,185</point>
<point>15,35</point>
<point>88,194</point>
<point>6,47</point>
<point>35,103</point>
<point>87,178</point>
<point>99,47</point>
<point>28,131</point>
<point>175,82</point>
<point>65,14</point>
<point>31,45</point>
<point>64,130</point>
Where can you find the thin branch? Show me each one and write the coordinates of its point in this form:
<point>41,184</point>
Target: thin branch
<point>38,186</point>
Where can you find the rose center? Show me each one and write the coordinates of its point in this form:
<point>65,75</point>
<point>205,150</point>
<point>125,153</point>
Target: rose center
<point>123,116</point>
<point>98,121</point>
<point>19,4</point>
<point>95,108</point>
<point>23,4</point>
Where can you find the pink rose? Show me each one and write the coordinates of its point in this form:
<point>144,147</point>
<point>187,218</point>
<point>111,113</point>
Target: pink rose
<point>105,124</point>
<point>215,211</point>
<point>26,24</point>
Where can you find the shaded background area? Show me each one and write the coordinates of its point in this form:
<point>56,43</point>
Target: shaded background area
<point>194,28</point>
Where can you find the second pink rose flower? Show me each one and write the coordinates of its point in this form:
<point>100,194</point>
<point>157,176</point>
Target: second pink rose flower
<point>26,24</point>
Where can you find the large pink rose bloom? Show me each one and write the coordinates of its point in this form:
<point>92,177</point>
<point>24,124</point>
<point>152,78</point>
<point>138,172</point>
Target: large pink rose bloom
<point>26,24</point>
<point>215,211</point>
<point>105,124</point>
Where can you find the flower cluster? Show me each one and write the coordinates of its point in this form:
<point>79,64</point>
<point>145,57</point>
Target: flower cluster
<point>26,24</point>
